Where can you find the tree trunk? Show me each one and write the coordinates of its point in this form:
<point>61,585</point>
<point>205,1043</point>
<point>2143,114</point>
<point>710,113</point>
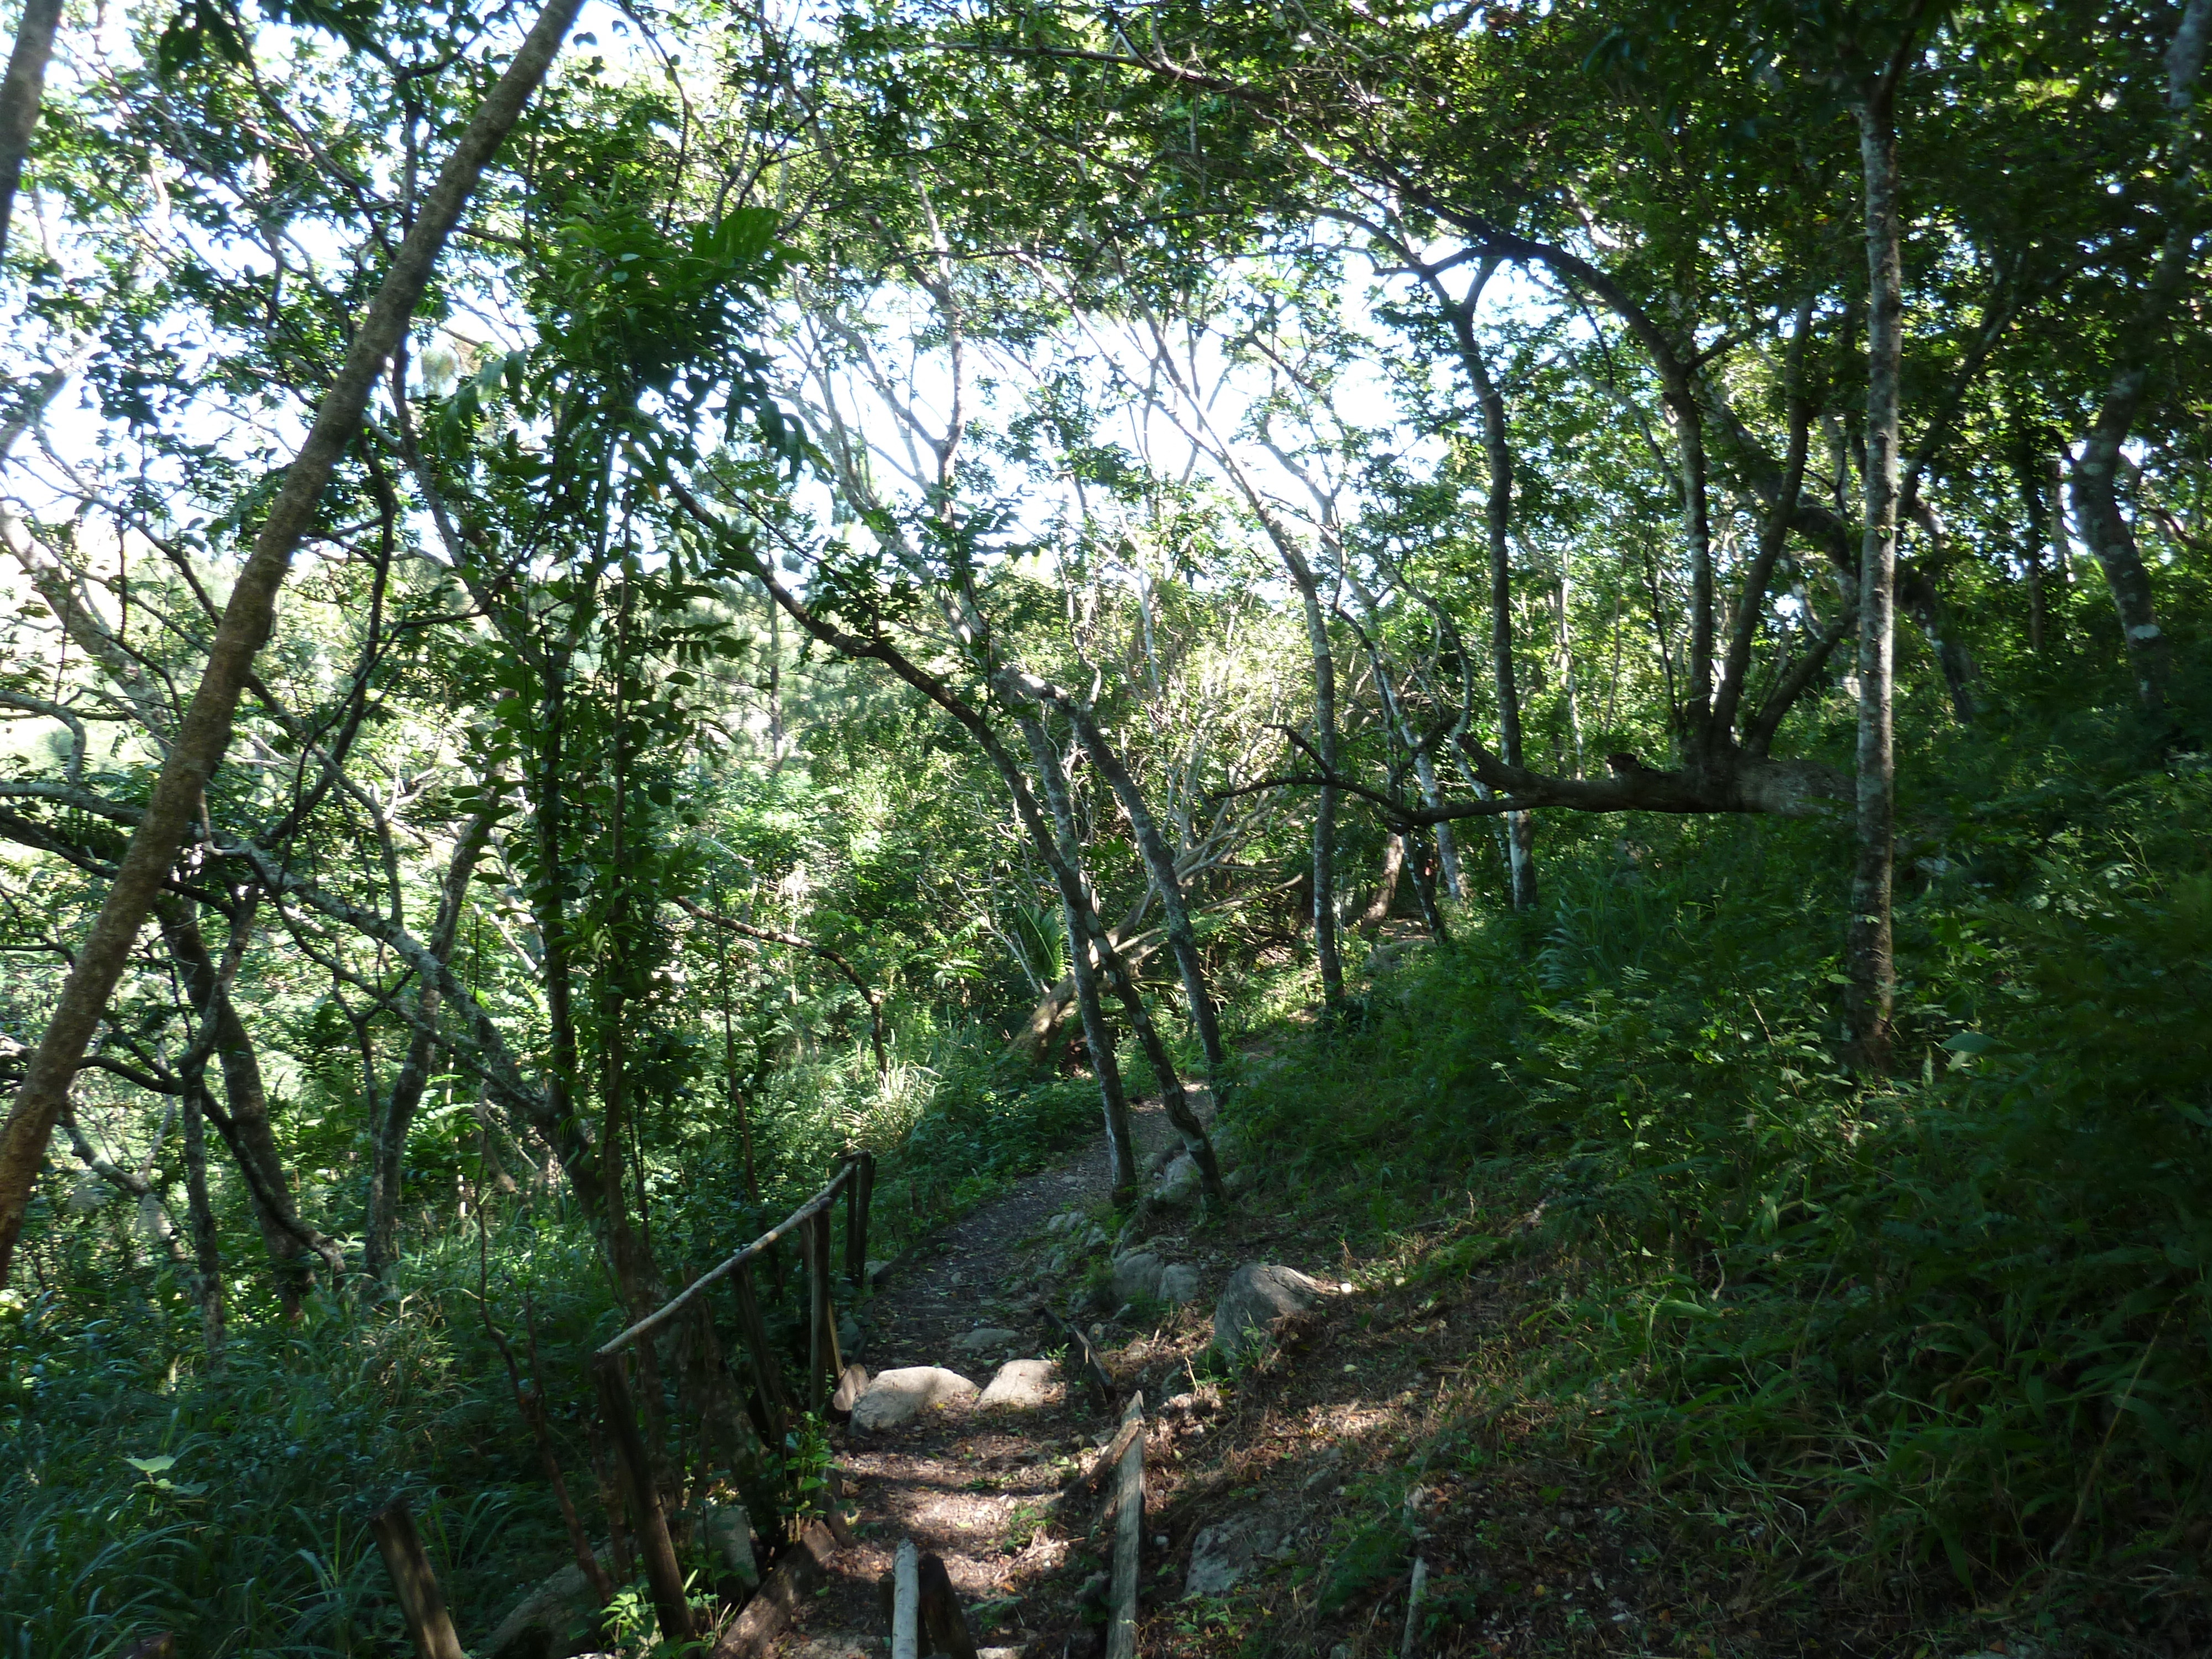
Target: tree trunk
<point>2096,474</point>
<point>388,1136</point>
<point>1160,864</point>
<point>19,97</point>
<point>207,1246</point>
<point>1386,890</point>
<point>245,625</point>
<point>1324,834</point>
<point>1447,848</point>
<point>1871,967</point>
<point>245,1126</point>
<point>1497,517</point>
<point>1077,912</point>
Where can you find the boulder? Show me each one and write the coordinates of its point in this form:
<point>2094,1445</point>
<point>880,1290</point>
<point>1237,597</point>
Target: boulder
<point>900,1397</point>
<point>727,1532</point>
<point>1022,1385</point>
<point>985,1338</point>
<point>553,1621</point>
<point>852,1383</point>
<point>1137,1276</point>
<point>1179,1185</point>
<point>1178,1284</point>
<point>851,1338</point>
<point>1224,1553</point>
<point>1255,1301</point>
<point>1228,1140</point>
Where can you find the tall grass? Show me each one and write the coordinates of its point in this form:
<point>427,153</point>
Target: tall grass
<point>1952,1324</point>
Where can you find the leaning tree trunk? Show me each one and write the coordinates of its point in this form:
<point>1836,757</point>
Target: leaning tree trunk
<point>1080,916</point>
<point>1160,863</point>
<point>1871,967</point>
<point>245,627</point>
<point>2096,473</point>
<point>245,1126</point>
<point>19,97</point>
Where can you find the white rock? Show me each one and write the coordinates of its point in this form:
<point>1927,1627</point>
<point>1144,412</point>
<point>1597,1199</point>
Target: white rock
<point>1022,1385</point>
<point>1178,1284</point>
<point>1256,1299</point>
<point>901,1395</point>
<point>1224,1553</point>
<point>986,1339</point>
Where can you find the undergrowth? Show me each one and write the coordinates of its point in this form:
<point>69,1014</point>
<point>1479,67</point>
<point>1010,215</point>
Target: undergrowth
<point>1945,1332</point>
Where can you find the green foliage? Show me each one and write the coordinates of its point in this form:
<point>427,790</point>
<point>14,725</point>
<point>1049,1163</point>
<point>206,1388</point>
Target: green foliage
<point>1956,1318</point>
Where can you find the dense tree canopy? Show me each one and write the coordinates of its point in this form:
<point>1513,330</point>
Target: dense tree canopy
<point>601,608</point>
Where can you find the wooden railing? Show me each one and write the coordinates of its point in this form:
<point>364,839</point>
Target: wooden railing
<point>855,1179</point>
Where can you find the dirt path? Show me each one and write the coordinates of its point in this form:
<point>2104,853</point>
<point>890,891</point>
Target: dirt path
<point>967,1483</point>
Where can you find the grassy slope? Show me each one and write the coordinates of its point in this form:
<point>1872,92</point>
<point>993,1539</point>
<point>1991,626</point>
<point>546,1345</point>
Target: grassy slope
<point>1680,1338</point>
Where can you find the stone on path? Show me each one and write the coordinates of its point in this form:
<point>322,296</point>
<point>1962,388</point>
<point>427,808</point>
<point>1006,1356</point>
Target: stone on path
<point>1224,1553</point>
<point>985,1338</point>
<point>1178,1284</point>
<point>900,1397</point>
<point>1257,1299</point>
<point>1022,1385</point>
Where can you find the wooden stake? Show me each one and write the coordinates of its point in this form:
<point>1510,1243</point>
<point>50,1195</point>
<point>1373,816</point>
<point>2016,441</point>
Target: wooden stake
<point>824,1359</point>
<point>1128,1538</point>
<point>906,1604</point>
<point>1413,1607</point>
<point>860,1193</point>
<point>420,1602</point>
<point>767,1369</point>
<point>642,1499</point>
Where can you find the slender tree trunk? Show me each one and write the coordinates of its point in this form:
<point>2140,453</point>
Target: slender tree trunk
<point>1386,888</point>
<point>2096,477</point>
<point>1447,848</point>
<point>1160,863</point>
<point>1326,951</point>
<point>1077,913</point>
<point>207,1245</point>
<point>245,625</point>
<point>245,1126</point>
<point>1089,940</point>
<point>388,1138</point>
<point>19,97</point>
<point>2029,468</point>
<point>1424,887</point>
<point>1498,519</point>
<point>1871,967</point>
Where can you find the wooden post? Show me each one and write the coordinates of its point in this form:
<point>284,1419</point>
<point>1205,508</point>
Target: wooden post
<point>859,1191</point>
<point>642,1499</point>
<point>824,1360</point>
<point>420,1602</point>
<point>1128,1539</point>
<point>942,1615</point>
<point>768,1369</point>
<point>906,1604</point>
<point>1413,1608</point>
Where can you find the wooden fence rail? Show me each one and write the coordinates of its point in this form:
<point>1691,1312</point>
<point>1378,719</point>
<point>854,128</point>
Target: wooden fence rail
<point>855,1178</point>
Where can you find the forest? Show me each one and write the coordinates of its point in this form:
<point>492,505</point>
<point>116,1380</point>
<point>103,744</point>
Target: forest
<point>1549,659</point>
